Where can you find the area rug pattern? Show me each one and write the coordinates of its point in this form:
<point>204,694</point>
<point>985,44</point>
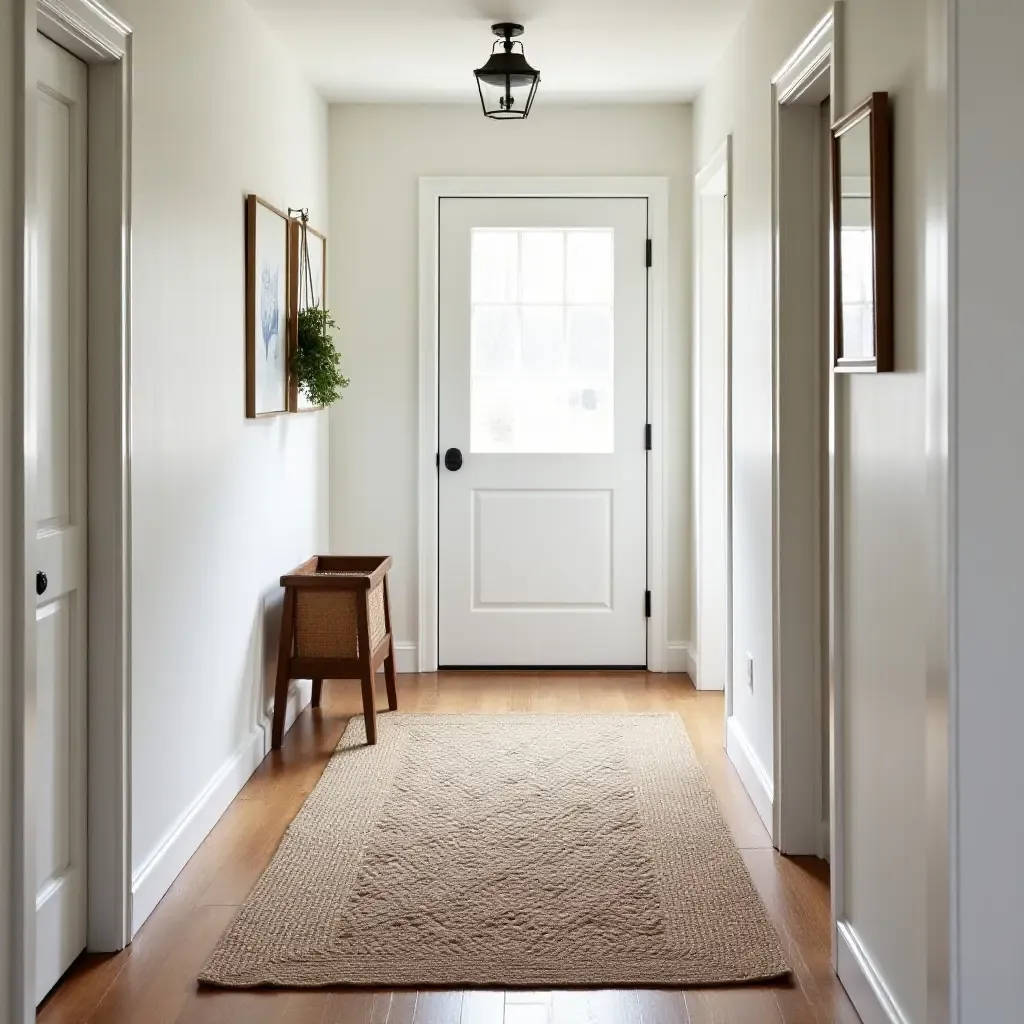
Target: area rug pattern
<point>510,851</point>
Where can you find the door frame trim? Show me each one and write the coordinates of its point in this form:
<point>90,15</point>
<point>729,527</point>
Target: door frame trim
<point>815,66</point>
<point>714,179</point>
<point>431,191</point>
<point>104,42</point>
<point>811,73</point>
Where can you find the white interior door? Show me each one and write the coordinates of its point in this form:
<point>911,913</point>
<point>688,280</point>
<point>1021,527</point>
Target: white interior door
<point>60,321</point>
<point>543,393</point>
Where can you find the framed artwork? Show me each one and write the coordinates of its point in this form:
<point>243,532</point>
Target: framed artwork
<point>266,309</point>
<point>305,292</point>
<point>862,236</point>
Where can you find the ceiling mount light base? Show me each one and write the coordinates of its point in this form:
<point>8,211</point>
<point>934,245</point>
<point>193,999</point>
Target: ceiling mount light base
<point>507,30</point>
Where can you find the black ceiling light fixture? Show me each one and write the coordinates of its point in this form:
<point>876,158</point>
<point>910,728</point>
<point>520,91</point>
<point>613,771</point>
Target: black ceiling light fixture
<point>507,83</point>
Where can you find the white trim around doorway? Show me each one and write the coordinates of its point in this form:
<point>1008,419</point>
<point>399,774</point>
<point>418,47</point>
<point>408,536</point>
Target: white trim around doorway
<point>810,76</point>
<point>655,190</point>
<point>714,179</point>
<point>91,32</point>
<point>813,71</point>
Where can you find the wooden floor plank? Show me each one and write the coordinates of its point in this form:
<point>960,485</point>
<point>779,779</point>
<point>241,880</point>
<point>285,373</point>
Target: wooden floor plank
<point>662,1006</point>
<point>439,1007</point>
<point>154,980</point>
<point>401,1007</point>
<point>348,1008</point>
<point>483,1007</point>
<point>733,1006</point>
<point>601,1006</point>
<point>528,1013</point>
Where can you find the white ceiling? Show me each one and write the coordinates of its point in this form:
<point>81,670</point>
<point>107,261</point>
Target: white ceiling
<point>426,50</point>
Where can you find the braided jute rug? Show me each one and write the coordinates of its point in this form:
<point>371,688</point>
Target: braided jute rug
<point>517,850</point>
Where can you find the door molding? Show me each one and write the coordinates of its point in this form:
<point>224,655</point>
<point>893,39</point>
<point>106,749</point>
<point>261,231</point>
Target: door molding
<point>798,89</point>
<point>104,42</point>
<point>714,179</point>
<point>811,73</point>
<point>655,190</point>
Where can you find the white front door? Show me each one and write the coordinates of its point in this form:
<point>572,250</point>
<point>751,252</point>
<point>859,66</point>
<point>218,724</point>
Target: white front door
<point>60,333</point>
<point>542,426</point>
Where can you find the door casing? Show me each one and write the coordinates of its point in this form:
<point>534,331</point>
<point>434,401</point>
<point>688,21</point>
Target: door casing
<point>712,186</point>
<point>432,190</point>
<point>811,73</point>
<point>104,42</point>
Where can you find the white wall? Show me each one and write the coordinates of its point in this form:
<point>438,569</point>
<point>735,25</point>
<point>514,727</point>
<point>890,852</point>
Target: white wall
<point>377,154</point>
<point>988,493</point>
<point>882,463</point>
<point>221,506</point>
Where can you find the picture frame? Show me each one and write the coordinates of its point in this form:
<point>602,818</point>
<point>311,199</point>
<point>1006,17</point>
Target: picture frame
<point>862,238</point>
<point>317,242</point>
<point>266,309</point>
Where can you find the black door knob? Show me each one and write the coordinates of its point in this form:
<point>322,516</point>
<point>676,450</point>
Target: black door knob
<point>453,460</point>
<point>41,583</point>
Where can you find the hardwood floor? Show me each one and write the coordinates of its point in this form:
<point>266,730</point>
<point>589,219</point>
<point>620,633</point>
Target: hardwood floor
<point>153,981</point>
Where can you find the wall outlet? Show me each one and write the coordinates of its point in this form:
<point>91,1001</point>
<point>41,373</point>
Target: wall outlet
<point>750,673</point>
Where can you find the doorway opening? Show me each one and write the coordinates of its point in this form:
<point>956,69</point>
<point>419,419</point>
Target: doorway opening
<point>541,519</point>
<point>801,487</point>
<point>807,765</point>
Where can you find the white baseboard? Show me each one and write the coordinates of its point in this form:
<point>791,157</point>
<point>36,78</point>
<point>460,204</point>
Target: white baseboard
<point>865,986</point>
<point>752,773</point>
<point>680,657</point>
<point>163,865</point>
<point>825,840</point>
<point>406,657</point>
<point>157,874</point>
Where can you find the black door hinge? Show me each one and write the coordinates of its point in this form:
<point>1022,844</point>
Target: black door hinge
<point>650,253</point>
<point>647,604</point>
<point>437,459</point>
<point>648,437</point>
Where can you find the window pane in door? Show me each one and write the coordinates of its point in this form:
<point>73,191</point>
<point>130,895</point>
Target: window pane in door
<point>495,266</point>
<point>590,340</point>
<point>543,339</point>
<point>542,346</point>
<point>590,266</point>
<point>495,339</point>
<point>543,269</point>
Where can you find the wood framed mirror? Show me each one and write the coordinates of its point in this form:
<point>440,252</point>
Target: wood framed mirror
<point>862,238</point>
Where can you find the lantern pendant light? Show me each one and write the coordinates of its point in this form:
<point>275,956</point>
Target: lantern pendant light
<point>506,82</point>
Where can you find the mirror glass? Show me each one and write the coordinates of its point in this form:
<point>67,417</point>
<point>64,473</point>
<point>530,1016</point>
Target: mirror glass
<point>856,242</point>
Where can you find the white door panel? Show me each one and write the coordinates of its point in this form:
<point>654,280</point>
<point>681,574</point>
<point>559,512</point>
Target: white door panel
<point>543,389</point>
<point>60,698</point>
<point>568,535</point>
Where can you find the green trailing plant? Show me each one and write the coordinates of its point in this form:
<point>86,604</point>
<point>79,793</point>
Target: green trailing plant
<point>316,360</point>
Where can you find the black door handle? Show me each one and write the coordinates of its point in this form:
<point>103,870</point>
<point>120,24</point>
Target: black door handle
<point>453,460</point>
<point>41,583</point>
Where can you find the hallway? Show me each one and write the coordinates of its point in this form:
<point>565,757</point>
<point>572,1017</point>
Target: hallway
<point>153,980</point>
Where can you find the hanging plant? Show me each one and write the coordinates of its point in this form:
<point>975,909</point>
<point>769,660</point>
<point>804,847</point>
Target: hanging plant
<point>315,362</point>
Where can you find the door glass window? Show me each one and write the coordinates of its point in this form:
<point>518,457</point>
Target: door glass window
<point>543,347</point>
